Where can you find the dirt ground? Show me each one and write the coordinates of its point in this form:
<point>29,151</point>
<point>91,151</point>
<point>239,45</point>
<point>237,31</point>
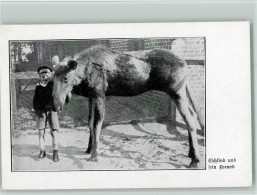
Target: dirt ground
<point>123,147</point>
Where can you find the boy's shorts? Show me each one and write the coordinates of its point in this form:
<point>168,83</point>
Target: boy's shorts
<point>51,117</point>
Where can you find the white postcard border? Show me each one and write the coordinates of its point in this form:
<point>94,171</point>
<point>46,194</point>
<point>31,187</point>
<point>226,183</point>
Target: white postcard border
<point>228,107</point>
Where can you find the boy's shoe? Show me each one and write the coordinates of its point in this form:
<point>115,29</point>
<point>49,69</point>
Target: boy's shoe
<point>55,156</point>
<point>42,154</point>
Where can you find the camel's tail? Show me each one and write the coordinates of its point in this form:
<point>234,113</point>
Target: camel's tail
<point>193,105</point>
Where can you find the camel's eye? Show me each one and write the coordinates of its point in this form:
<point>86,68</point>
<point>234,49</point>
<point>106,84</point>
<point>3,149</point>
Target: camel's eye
<point>65,79</point>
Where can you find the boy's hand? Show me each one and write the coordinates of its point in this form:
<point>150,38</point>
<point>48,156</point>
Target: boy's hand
<point>33,114</point>
<point>49,106</point>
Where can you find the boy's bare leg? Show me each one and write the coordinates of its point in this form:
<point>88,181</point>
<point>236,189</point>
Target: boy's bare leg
<point>54,134</point>
<point>42,153</point>
<point>54,126</point>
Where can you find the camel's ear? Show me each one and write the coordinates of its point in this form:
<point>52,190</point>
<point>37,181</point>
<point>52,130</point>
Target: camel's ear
<point>72,64</point>
<point>55,60</point>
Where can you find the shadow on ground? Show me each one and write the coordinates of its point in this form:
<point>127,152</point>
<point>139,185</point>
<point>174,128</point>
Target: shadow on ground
<point>122,147</point>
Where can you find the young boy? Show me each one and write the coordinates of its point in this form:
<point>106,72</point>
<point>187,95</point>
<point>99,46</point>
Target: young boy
<point>43,109</point>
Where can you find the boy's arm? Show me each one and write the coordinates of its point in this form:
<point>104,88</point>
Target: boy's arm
<point>49,105</point>
<point>33,110</point>
<point>35,99</point>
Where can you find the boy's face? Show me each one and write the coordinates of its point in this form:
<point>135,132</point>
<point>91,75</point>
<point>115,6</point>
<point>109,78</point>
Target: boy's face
<point>45,76</point>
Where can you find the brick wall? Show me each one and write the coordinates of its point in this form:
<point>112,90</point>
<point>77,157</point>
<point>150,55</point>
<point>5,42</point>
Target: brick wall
<point>119,45</point>
<point>158,43</point>
<point>193,51</point>
<point>189,48</point>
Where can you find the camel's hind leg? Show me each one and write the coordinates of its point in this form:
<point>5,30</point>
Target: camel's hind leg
<point>190,117</point>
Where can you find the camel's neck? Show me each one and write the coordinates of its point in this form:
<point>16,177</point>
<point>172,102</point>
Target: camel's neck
<point>80,86</point>
<point>79,74</point>
<point>81,89</point>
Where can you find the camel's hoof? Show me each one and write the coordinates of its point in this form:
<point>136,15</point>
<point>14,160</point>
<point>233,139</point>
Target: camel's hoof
<point>194,164</point>
<point>93,159</point>
<point>88,151</point>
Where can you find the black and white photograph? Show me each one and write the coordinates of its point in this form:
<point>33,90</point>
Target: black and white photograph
<point>108,104</point>
<point>128,105</point>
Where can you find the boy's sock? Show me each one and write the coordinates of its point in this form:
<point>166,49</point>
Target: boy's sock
<point>42,139</point>
<point>54,134</point>
<point>55,139</point>
<point>55,156</point>
<point>42,152</point>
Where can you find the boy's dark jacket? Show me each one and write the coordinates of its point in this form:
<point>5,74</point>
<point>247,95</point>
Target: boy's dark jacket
<point>43,99</point>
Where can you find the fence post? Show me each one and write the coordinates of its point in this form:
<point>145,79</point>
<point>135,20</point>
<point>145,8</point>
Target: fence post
<point>13,102</point>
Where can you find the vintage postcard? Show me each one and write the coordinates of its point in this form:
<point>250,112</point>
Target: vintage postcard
<point>159,105</point>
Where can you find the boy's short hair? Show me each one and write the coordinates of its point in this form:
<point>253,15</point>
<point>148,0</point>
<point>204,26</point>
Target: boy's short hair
<point>44,69</point>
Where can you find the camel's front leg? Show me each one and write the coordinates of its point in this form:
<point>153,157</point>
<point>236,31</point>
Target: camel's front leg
<point>99,111</point>
<point>90,123</point>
